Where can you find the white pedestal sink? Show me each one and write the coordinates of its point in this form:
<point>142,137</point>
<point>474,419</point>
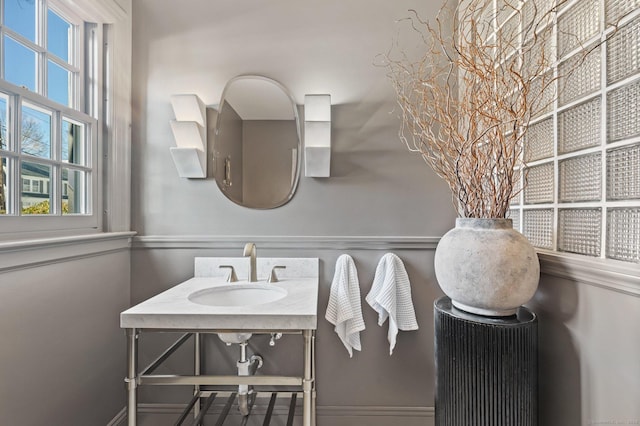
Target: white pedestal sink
<point>208,304</point>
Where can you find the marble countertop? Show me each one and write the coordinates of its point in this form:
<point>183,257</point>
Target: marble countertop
<point>172,310</point>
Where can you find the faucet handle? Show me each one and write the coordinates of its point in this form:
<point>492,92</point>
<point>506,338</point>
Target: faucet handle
<point>232,277</point>
<point>274,337</point>
<point>273,278</point>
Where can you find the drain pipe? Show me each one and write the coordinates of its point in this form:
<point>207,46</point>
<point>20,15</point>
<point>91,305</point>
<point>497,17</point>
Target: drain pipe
<point>246,367</point>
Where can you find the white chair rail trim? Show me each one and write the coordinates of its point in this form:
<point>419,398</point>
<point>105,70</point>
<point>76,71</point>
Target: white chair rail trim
<point>286,242</point>
<point>22,254</point>
<point>611,274</point>
<point>623,277</point>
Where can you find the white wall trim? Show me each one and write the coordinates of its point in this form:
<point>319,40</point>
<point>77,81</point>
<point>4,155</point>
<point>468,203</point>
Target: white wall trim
<point>606,273</point>
<point>375,411</point>
<point>286,242</point>
<point>105,10</point>
<point>23,254</point>
<point>613,275</point>
<point>117,123</point>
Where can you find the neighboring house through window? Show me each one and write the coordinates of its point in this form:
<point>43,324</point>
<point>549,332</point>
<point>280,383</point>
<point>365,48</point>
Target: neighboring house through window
<point>49,168</point>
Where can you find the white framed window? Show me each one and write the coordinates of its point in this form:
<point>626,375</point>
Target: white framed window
<point>48,125</point>
<point>583,155</point>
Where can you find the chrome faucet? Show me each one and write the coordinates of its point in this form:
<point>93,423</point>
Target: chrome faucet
<point>250,250</point>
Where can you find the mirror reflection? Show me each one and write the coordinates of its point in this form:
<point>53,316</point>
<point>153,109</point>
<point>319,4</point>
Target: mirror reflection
<point>257,143</point>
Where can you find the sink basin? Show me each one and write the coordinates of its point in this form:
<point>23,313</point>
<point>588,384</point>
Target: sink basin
<point>238,294</point>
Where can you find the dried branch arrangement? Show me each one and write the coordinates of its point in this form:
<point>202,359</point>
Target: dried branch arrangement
<point>467,102</point>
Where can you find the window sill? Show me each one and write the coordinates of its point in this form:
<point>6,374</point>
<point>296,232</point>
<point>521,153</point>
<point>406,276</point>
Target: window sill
<point>611,274</point>
<point>20,254</point>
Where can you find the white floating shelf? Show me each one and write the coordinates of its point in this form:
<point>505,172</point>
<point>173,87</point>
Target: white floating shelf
<point>189,108</point>
<point>317,161</point>
<point>190,132</point>
<point>190,162</point>
<point>317,135</point>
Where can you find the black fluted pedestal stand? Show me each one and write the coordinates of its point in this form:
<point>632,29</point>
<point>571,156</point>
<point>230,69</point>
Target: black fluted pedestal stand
<point>486,368</point>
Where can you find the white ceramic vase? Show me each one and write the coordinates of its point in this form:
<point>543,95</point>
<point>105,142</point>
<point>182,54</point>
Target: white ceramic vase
<point>486,267</point>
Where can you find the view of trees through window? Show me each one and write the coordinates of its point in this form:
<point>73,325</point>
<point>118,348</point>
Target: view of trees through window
<point>44,136</point>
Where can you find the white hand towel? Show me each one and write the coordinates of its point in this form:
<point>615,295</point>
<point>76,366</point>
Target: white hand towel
<point>390,296</point>
<point>344,309</point>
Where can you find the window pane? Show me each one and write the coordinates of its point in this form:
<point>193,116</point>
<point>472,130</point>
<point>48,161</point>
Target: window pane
<point>58,35</point>
<point>73,191</point>
<point>579,231</point>
<point>4,142</point>
<point>20,16</point>
<point>36,132</point>
<point>73,148</point>
<point>58,83</point>
<point>36,188</point>
<point>19,64</point>
<point>4,185</point>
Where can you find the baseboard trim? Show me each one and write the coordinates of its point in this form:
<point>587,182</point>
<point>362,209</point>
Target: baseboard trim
<point>374,411</point>
<point>281,410</point>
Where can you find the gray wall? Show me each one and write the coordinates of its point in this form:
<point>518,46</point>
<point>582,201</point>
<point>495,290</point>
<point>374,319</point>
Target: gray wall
<point>197,49</point>
<point>588,361</point>
<point>376,188</point>
<point>589,346</point>
<point>62,351</point>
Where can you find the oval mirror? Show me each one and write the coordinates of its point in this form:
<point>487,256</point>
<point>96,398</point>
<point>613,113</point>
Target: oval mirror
<point>257,143</point>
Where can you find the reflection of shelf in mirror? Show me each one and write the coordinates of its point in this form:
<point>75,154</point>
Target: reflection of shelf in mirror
<point>189,131</point>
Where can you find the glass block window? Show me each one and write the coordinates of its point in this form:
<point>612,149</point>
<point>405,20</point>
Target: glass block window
<point>539,141</point>
<point>623,115</point>
<point>582,155</point>
<point>580,178</point>
<point>617,9</point>
<point>579,231</point>
<point>623,233</point>
<point>579,126</point>
<point>579,76</point>
<point>623,173</point>
<point>514,215</point>
<point>623,52</point>
<point>539,187</point>
<point>578,24</point>
<point>538,227</point>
